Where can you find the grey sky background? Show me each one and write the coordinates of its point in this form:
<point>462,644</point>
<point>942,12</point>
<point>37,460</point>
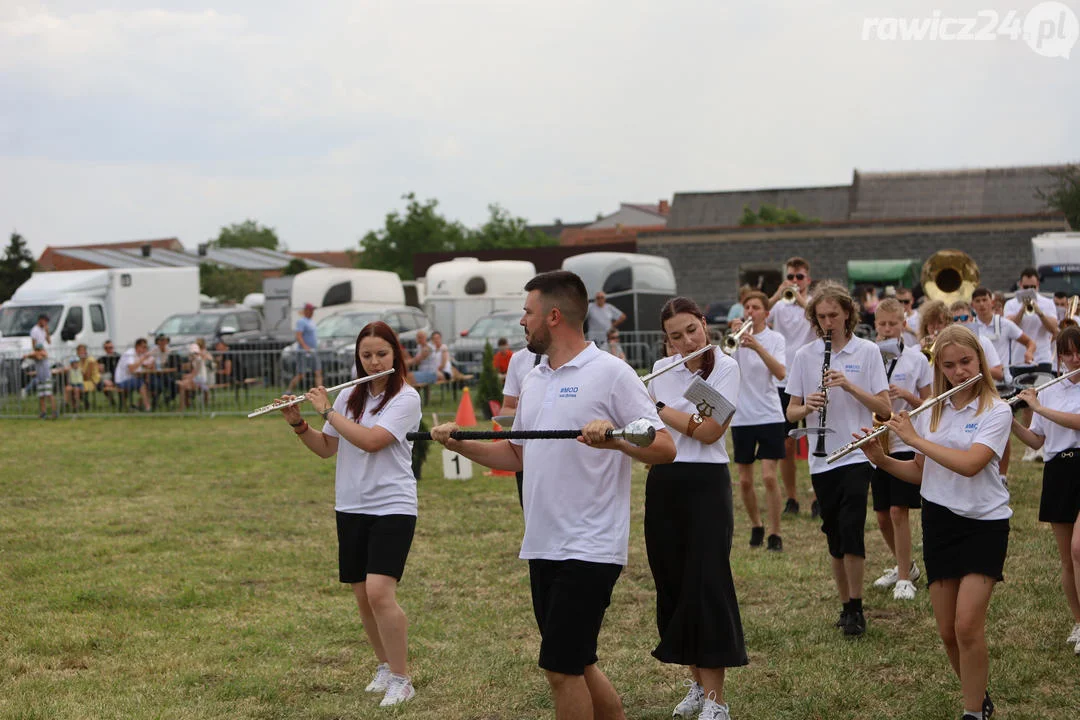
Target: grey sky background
<point>131,120</point>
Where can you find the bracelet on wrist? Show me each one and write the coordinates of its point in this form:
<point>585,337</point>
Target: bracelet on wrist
<point>304,427</point>
<point>298,424</point>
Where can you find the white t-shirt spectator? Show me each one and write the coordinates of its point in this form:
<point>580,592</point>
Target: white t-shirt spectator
<point>1065,396</point>
<point>446,366</point>
<point>789,320</point>
<point>1003,334</point>
<point>758,402</point>
<point>911,372</point>
<point>1033,327</point>
<point>521,364</point>
<point>431,362</point>
<point>38,336</point>
<point>577,498</point>
<point>379,483</point>
<point>670,387</point>
<point>128,357</point>
<point>600,319</point>
<point>983,496</point>
<point>860,361</point>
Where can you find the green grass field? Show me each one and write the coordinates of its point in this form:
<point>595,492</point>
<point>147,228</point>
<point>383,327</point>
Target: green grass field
<point>186,568</point>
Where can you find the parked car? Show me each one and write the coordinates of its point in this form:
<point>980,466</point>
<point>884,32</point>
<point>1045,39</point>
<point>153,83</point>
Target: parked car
<point>337,338</point>
<point>468,350</point>
<point>209,324</point>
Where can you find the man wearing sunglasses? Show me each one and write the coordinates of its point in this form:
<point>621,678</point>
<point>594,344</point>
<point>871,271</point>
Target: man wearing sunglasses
<point>789,319</point>
<point>906,298</point>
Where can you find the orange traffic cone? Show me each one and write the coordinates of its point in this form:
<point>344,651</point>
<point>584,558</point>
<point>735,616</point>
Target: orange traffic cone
<point>803,449</point>
<point>493,472</point>
<point>466,416</point>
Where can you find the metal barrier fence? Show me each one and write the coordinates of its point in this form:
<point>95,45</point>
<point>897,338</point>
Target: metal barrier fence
<point>235,383</point>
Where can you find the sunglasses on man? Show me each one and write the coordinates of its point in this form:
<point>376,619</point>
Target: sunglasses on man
<point>908,301</point>
<point>1029,287</point>
<point>796,276</point>
<point>960,318</point>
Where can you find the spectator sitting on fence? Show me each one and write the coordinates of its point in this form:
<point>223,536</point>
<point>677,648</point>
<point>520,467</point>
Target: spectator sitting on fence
<point>202,370</point>
<point>127,369</point>
<point>73,389</point>
<point>224,365</point>
<point>613,345</point>
<point>445,367</point>
<point>43,377</point>
<point>107,366</point>
<point>89,378</point>
<point>163,384</point>
<point>426,361</point>
<point>503,353</point>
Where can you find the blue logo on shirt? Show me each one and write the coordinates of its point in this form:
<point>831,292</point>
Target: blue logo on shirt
<point>852,367</point>
<point>568,392</point>
<point>971,427</point>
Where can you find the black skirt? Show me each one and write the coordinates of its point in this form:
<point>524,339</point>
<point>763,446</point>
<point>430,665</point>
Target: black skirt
<point>955,546</point>
<point>688,531</point>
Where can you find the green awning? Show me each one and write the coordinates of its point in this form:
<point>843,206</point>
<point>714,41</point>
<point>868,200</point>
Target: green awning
<point>879,272</point>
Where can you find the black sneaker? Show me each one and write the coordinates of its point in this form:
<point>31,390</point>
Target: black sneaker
<point>775,543</point>
<point>815,510</point>
<point>842,620</point>
<point>988,706</point>
<point>791,507</point>
<point>856,624</point>
<point>757,536</point>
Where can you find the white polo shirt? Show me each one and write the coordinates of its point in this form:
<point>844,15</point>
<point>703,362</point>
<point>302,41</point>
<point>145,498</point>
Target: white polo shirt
<point>669,389</point>
<point>1065,396</point>
<point>521,364</point>
<point>911,329</point>
<point>128,357</point>
<point>1003,334</point>
<point>1034,329</point>
<point>758,402</point>
<point>379,483</point>
<point>983,496</point>
<point>860,361</point>
<point>992,357</point>
<point>789,320</point>
<point>38,336</point>
<point>911,372</point>
<point>577,498</point>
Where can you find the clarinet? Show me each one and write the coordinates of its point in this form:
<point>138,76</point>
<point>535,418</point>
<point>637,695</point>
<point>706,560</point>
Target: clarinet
<point>819,451</point>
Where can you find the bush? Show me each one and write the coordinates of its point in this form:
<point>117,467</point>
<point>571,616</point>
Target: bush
<point>488,387</point>
<point>419,451</point>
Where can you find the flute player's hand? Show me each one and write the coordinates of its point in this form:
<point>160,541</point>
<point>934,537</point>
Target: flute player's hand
<point>291,413</point>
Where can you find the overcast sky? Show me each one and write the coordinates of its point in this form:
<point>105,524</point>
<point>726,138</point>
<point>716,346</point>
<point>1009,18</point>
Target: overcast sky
<point>131,120</point>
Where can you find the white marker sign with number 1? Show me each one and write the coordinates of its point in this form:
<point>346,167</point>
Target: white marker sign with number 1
<point>455,466</point>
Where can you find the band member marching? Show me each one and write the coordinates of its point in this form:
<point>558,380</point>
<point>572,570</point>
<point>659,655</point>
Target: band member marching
<point>857,390</point>
<point>757,429</point>
<point>689,520</point>
<point>375,491</point>
<point>965,505</point>
<point>787,314</point>
<point>909,376</point>
<point>577,494</point>
<point>1056,429</point>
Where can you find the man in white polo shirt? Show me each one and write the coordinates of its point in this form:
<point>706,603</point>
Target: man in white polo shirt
<point>857,389</point>
<point>521,364</point>
<point>1041,325</point>
<point>576,494</point>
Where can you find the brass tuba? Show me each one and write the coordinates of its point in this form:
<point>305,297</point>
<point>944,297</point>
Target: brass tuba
<point>950,275</point>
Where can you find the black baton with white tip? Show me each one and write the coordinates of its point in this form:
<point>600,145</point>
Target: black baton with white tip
<point>640,432</point>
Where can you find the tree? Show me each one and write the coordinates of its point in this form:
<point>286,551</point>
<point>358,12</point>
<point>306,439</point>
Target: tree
<point>16,266</point>
<point>487,386</point>
<point>228,284</point>
<point>248,234</point>
<point>1064,194</point>
<point>502,230</point>
<point>295,267</point>
<point>420,229</point>
<point>772,215</point>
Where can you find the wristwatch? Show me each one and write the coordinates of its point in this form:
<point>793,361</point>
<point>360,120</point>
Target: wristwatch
<point>693,424</point>
<point>660,406</point>
<point>326,413</point>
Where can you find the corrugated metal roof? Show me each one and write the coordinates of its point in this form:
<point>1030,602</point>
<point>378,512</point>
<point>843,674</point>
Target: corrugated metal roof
<point>232,258</point>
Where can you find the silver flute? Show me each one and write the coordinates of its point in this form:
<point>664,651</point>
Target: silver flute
<point>673,365</point>
<point>1016,398</point>
<point>279,404</point>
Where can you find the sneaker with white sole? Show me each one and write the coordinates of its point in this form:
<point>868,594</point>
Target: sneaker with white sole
<point>381,681</point>
<point>904,590</point>
<point>888,578</point>
<point>712,710</point>
<point>399,691</point>
<point>1074,636</point>
<point>690,705</point>
<point>915,573</point>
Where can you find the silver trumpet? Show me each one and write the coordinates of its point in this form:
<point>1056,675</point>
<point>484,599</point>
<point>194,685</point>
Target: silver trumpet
<point>789,296</point>
<point>279,404</point>
<point>730,343</point>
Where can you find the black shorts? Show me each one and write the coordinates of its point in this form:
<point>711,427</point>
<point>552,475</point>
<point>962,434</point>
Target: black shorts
<point>784,400</point>
<point>376,544</point>
<point>767,440</point>
<point>1060,500</point>
<point>955,546</point>
<point>841,494</point>
<point>569,599</point>
<point>889,491</point>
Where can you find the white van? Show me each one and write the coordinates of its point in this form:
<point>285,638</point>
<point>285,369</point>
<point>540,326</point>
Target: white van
<point>462,290</point>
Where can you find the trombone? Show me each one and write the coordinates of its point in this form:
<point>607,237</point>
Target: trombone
<point>730,342</point>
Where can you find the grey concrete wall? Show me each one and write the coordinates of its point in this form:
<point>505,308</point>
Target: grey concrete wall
<point>706,266</point>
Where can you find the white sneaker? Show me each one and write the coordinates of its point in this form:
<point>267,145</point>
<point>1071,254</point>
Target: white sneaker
<point>914,574</point>
<point>400,690</point>
<point>904,590</point>
<point>381,681</point>
<point>712,710</point>
<point>1074,636</point>
<point>691,704</point>
<point>888,578</point>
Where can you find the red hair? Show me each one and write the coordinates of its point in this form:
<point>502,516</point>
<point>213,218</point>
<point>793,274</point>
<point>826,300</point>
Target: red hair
<point>394,382</point>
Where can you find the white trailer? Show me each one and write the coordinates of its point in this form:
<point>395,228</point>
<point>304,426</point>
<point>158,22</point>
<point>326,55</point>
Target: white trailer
<point>332,290</point>
<point>462,290</point>
<point>639,285</point>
